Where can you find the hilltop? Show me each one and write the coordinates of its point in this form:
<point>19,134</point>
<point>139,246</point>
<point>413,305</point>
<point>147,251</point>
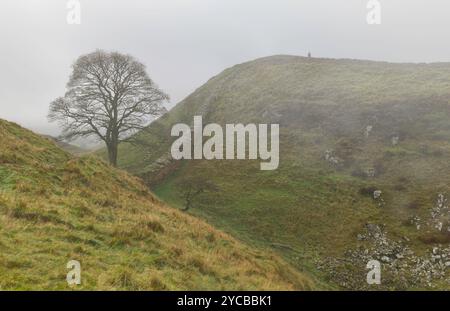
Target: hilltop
<point>364,162</point>
<point>55,207</point>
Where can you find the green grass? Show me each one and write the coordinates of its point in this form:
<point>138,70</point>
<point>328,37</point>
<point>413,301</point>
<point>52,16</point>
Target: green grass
<point>320,104</point>
<point>55,208</point>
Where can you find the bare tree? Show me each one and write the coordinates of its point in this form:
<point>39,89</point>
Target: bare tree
<point>110,96</point>
<point>192,188</point>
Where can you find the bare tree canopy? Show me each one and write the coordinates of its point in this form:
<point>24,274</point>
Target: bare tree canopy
<point>110,96</point>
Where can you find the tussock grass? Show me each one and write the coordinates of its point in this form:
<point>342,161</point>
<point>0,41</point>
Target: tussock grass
<point>55,208</point>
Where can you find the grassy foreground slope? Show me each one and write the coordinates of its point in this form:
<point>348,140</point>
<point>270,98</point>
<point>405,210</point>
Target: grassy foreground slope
<point>348,128</point>
<point>55,208</point>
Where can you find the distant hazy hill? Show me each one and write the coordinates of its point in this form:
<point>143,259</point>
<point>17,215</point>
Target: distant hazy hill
<point>72,149</point>
<point>55,208</point>
<point>349,129</point>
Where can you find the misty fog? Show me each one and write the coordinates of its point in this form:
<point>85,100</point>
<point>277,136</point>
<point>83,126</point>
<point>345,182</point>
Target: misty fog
<point>183,43</point>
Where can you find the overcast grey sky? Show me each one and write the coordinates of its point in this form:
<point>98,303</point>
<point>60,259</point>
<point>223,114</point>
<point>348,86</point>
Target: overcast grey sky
<point>185,42</point>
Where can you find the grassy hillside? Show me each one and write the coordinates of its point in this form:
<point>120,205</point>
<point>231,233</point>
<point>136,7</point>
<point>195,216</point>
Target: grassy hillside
<point>55,208</point>
<point>348,129</point>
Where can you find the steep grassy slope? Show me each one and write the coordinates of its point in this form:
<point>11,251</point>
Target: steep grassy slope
<point>348,128</point>
<point>55,208</point>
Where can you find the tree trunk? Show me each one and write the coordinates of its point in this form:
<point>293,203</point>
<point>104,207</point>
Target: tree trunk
<point>112,154</point>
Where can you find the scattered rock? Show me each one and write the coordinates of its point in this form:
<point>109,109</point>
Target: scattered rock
<point>402,268</point>
<point>377,194</point>
<point>368,130</point>
<point>377,197</point>
<point>395,140</point>
<point>370,172</point>
<point>440,214</point>
<point>331,158</point>
<point>416,222</point>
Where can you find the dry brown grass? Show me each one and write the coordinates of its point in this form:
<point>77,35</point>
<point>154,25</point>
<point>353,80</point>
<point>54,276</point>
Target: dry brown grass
<point>55,208</point>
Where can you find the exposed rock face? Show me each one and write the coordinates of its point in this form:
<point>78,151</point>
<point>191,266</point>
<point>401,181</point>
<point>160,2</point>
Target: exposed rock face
<point>401,267</point>
<point>378,198</point>
<point>377,194</point>
<point>439,217</point>
<point>416,220</point>
<point>161,162</point>
<point>395,140</point>
<point>440,214</point>
<point>331,158</point>
<point>370,172</point>
<point>368,130</point>
<point>160,168</point>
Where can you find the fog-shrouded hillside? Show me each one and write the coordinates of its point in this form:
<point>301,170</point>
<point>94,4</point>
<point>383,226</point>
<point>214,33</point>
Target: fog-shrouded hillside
<point>364,166</point>
<point>70,148</point>
<point>55,208</point>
